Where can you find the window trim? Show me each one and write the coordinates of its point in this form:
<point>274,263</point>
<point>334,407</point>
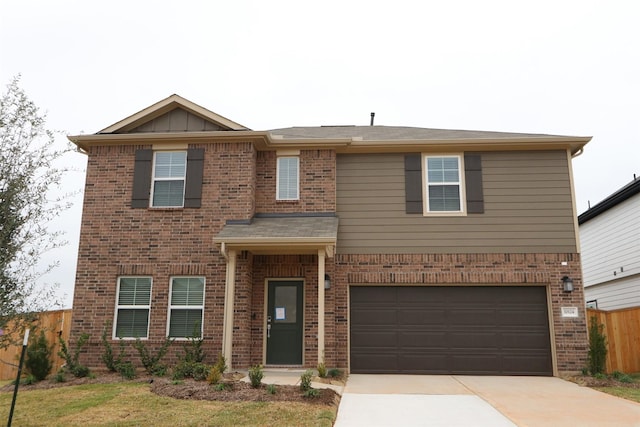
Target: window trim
<point>154,179</point>
<point>461,185</point>
<point>278,158</point>
<point>185,307</point>
<point>131,307</point>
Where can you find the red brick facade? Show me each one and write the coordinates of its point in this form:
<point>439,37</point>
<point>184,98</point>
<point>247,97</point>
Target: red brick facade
<point>239,182</point>
<point>317,183</point>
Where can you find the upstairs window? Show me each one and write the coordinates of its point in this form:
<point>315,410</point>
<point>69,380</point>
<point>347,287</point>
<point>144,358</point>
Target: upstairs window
<point>444,186</point>
<point>288,178</point>
<point>157,176</point>
<point>132,308</point>
<point>186,307</point>
<point>169,176</point>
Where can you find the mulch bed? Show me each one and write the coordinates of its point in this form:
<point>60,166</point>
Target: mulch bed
<point>239,391</point>
<point>235,391</point>
<point>588,381</point>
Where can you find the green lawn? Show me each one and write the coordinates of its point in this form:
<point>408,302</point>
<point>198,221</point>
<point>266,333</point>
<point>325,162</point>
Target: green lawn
<point>624,392</point>
<point>130,404</point>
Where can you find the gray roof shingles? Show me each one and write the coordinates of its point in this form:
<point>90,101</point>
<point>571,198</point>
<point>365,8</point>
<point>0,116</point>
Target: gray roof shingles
<point>282,228</point>
<point>395,133</point>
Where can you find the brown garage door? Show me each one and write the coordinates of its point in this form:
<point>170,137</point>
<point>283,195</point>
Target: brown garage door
<point>479,330</point>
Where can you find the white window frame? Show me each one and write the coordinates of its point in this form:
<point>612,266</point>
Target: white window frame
<point>185,307</point>
<point>460,184</point>
<point>155,179</point>
<point>278,167</point>
<point>132,307</point>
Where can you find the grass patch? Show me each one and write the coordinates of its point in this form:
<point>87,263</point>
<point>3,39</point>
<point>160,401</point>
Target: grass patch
<point>129,404</point>
<point>624,392</point>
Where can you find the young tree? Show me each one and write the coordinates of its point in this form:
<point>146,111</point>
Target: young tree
<point>29,177</point>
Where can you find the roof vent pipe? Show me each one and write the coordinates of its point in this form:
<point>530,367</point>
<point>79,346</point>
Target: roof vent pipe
<point>373,115</point>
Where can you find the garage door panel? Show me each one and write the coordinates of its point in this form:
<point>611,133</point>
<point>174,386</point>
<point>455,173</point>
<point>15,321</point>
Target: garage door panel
<point>421,363</point>
<point>474,339</point>
<point>371,316</point>
<point>424,339</point>
<point>522,317</point>
<point>474,364</point>
<point>422,316</point>
<point>497,330</point>
<point>535,364</point>
<point>374,339</point>
<point>415,295</point>
<point>472,316</point>
<point>376,363</point>
<point>372,294</point>
<point>524,340</point>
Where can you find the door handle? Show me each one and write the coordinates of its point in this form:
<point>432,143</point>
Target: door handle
<point>269,330</point>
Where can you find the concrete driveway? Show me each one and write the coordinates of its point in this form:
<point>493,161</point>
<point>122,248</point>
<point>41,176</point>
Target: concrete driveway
<point>426,400</point>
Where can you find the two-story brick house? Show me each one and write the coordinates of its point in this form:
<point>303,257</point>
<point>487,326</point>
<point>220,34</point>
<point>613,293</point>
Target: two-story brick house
<point>373,248</point>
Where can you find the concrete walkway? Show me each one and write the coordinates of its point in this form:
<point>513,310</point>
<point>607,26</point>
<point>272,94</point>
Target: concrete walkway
<point>424,400</point>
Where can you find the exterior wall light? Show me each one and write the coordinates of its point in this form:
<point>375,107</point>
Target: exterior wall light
<point>327,281</point>
<point>567,284</point>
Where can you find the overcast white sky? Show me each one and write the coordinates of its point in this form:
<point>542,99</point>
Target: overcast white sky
<point>556,67</point>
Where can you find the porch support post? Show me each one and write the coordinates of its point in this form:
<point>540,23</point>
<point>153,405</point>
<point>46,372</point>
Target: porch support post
<point>229,303</point>
<point>321,256</point>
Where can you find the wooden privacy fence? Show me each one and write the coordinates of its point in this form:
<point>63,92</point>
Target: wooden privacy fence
<point>622,329</point>
<point>54,324</point>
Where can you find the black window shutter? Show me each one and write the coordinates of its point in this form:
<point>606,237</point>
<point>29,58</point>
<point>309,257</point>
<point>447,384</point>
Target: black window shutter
<point>193,186</point>
<point>473,180</point>
<point>142,179</point>
<point>413,183</point>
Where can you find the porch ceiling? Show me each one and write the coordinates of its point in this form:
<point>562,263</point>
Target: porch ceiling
<point>281,235</point>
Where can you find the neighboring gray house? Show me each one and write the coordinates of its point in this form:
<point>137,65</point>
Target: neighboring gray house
<point>610,239</point>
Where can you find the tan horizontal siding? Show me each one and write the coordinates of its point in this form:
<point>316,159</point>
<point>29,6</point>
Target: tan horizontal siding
<point>527,208</point>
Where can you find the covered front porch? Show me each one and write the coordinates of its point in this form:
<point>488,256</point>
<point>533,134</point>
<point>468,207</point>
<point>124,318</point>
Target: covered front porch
<point>282,264</point>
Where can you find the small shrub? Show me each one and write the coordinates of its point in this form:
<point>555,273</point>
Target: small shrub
<point>622,377</point>
<point>72,360</point>
<point>221,363</point>
<point>305,380</point>
<point>82,371</point>
<point>597,347</point>
<point>126,370</point>
<point>271,388</point>
<point>110,361</point>
<point>322,370</point>
<point>335,373</point>
<point>152,363</point>
<point>312,392</point>
<point>220,387</point>
<point>200,371</point>
<point>27,380</point>
<point>214,376</point>
<point>193,351</point>
<point>600,376</point>
<point>626,379</point>
<point>60,376</point>
<point>195,370</point>
<point>38,362</point>
<point>255,375</point>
